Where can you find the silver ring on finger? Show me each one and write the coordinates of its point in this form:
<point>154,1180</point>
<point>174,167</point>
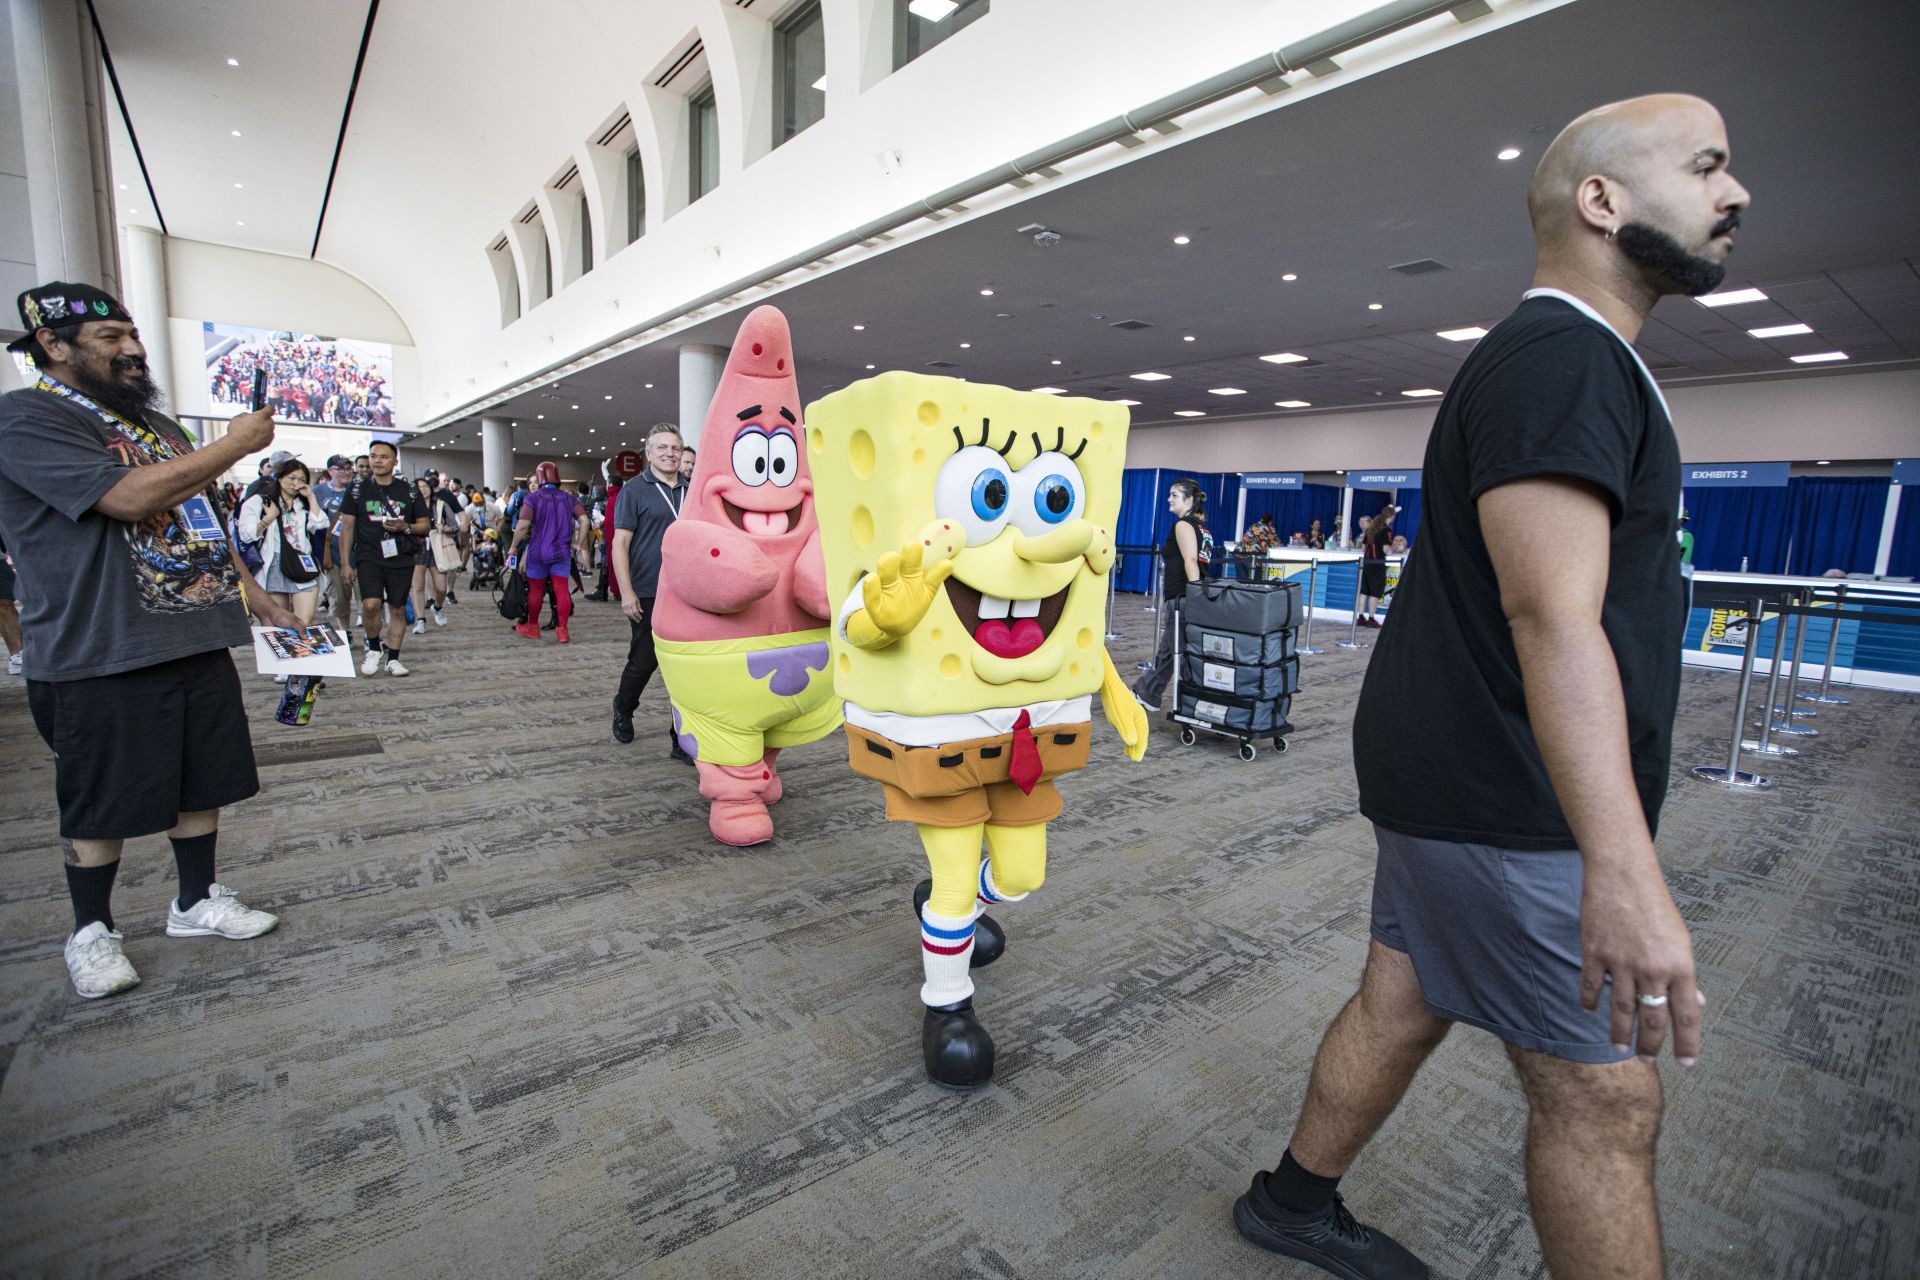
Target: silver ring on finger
<point>1651,1002</point>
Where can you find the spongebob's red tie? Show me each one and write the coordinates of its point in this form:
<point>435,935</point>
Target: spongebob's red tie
<point>1025,767</point>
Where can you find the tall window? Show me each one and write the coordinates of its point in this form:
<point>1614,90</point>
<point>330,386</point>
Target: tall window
<point>705,136</point>
<point>918,25</point>
<point>586,233</point>
<point>636,198</point>
<point>801,70</point>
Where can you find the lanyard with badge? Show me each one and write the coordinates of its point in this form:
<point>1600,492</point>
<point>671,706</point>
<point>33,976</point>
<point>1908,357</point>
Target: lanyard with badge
<point>666,496</point>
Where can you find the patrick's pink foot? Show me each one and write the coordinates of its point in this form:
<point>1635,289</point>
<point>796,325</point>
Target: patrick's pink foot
<point>771,792</point>
<point>740,822</point>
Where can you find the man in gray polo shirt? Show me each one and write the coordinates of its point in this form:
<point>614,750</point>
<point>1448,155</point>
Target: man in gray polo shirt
<point>645,508</point>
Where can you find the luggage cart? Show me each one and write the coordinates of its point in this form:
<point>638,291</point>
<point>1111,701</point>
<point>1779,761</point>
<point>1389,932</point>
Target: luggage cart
<point>1242,687</point>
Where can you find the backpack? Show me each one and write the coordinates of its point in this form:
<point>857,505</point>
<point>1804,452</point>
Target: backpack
<point>513,596</point>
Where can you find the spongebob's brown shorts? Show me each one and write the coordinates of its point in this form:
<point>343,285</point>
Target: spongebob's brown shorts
<point>959,784</point>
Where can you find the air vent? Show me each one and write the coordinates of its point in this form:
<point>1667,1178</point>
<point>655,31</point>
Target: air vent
<point>498,246</point>
<point>1130,324</point>
<point>940,364</point>
<point>624,122</point>
<point>527,219</point>
<point>680,64</point>
<point>568,178</point>
<point>1419,268</point>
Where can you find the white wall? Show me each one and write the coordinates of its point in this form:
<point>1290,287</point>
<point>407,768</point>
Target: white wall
<point>17,269</point>
<point>1804,417</point>
<point>271,291</point>
<point>465,463</point>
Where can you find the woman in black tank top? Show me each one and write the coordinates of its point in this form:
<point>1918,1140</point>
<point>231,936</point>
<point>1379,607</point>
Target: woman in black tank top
<point>1181,558</point>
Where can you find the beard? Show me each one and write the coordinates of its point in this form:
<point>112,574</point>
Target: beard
<point>1674,270</point>
<point>123,384</point>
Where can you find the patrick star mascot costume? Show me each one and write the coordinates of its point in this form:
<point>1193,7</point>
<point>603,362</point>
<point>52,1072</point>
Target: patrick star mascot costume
<point>740,623</point>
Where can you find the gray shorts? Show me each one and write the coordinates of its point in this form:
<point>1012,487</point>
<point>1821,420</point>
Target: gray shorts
<point>1494,935</point>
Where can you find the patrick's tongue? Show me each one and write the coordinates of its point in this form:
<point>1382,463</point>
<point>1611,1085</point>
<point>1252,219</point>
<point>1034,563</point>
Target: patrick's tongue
<point>1003,641</point>
<point>764,524</point>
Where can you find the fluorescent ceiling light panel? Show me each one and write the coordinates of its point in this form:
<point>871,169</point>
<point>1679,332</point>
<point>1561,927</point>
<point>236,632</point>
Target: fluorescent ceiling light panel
<point>1510,153</point>
<point>1293,404</point>
<point>1421,392</point>
<point>1731,299</point>
<point>1189,413</point>
<point>1129,403</point>
<point>1284,357</point>
<point>932,10</point>
<point>1051,391</point>
<point>1780,331</point>
<point>1150,377</point>
<point>1822,357</point>
<point>1467,334</point>
<point>1226,391</point>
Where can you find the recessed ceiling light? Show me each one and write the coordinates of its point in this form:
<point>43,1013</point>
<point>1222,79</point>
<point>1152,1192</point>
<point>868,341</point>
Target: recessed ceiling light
<point>1419,392</point>
<point>1188,413</point>
<point>1186,337</point>
<point>821,83</point>
<point>966,346</point>
<point>1285,357</point>
<point>1824,462</point>
<point>1467,334</point>
<point>1053,362</point>
<point>869,366</point>
<point>539,415</point>
<point>233,62</point>
<point>576,406</point>
<point>1374,306</point>
<point>1780,331</point>
<point>1150,377</point>
<point>932,10</point>
<point>1051,391</point>
<point>1511,153</point>
<point>986,293</point>
<point>239,224</point>
<point>236,133</point>
<point>857,328</point>
<point>1182,240</point>
<point>649,386</point>
<point>591,430</point>
<point>1289,277</point>
<point>123,186</point>
<point>623,442</point>
<point>1821,357</point>
<point>1292,404</point>
<point>606,397</point>
<point>1127,402</point>
<point>1731,298</point>
<point>1226,391</point>
<point>238,187</point>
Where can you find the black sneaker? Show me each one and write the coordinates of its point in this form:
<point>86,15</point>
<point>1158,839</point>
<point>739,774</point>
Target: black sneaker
<point>678,753</point>
<point>622,725</point>
<point>1330,1239</point>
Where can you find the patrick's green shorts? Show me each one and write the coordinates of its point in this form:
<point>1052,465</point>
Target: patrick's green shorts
<point>733,700</point>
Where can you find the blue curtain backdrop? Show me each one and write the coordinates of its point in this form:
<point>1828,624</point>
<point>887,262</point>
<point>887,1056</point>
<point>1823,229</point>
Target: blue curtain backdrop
<point>1366,502</point>
<point>1295,510</point>
<point>1408,520</point>
<point>1732,522</point>
<point>1905,561</point>
<point>1835,522</point>
<point>1140,497</point>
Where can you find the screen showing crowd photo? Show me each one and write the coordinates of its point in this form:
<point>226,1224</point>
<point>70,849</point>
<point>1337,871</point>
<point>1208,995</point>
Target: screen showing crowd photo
<point>337,381</point>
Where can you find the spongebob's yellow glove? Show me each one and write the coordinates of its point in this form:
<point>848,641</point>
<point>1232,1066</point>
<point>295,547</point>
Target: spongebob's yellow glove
<point>896,595</point>
<point>1124,711</point>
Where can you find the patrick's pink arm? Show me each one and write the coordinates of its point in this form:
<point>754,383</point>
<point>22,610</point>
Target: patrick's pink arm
<point>810,578</point>
<point>715,567</point>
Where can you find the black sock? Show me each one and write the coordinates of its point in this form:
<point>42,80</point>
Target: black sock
<point>391,651</point>
<point>193,859</point>
<point>373,643</point>
<point>91,889</point>
<point>1298,1190</point>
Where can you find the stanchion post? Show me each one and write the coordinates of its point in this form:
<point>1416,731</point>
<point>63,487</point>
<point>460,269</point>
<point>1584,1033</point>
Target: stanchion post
<point>1353,628</point>
<point>1764,745</point>
<point>1313,581</point>
<point>1833,648</point>
<point>1730,776</point>
<point>1159,614</point>
<point>1113,582</point>
<point>1769,710</point>
<point>1804,601</point>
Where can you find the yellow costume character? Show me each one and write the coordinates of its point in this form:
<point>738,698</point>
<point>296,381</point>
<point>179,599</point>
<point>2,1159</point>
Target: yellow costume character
<point>968,532</point>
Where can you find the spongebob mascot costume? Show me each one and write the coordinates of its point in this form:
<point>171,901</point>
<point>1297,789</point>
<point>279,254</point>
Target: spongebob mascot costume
<point>968,534</point>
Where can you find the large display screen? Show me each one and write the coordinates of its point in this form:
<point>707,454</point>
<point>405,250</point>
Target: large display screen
<point>310,378</point>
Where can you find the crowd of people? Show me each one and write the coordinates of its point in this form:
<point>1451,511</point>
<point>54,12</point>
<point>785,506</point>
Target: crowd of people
<point>308,380</point>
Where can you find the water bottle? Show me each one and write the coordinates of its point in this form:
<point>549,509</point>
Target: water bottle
<point>1743,564</point>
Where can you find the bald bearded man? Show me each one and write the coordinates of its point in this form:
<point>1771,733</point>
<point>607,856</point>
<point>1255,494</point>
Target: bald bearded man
<point>1517,888</point>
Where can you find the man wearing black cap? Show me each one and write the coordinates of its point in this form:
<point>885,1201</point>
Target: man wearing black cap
<point>330,493</point>
<point>130,596</point>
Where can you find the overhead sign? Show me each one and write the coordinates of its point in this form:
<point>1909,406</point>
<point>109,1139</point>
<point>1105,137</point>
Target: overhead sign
<point>1383,479</point>
<point>1736,475</point>
<point>1906,470</point>
<point>627,464</point>
<point>1274,479</point>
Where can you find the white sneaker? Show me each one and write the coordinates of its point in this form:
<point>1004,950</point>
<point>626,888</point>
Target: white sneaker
<point>420,626</point>
<point>370,665</point>
<point>95,960</point>
<point>439,618</point>
<point>395,667</point>
<point>219,912</point>
<point>13,663</point>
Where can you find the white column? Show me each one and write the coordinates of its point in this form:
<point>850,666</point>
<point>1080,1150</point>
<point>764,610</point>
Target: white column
<point>496,454</point>
<point>146,299</point>
<point>10,379</point>
<point>1240,517</point>
<point>700,370</point>
<point>1884,556</point>
<point>52,67</point>
<point>1346,517</point>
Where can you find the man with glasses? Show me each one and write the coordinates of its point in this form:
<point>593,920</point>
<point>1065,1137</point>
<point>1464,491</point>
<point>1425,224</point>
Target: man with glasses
<point>640,518</point>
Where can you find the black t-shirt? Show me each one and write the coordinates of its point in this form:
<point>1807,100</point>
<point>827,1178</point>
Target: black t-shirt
<point>369,502</point>
<point>1550,391</point>
<point>645,508</point>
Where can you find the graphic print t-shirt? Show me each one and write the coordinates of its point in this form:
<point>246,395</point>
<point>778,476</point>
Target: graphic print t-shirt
<point>369,502</point>
<point>97,595</point>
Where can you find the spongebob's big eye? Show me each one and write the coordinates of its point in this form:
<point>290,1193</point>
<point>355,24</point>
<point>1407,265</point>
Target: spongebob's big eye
<point>1048,492</point>
<point>975,489</point>
<point>750,457</point>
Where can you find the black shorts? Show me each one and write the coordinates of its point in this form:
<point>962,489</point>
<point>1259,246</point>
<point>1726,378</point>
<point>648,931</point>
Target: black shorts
<point>375,580</point>
<point>134,751</point>
<point>1373,578</point>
